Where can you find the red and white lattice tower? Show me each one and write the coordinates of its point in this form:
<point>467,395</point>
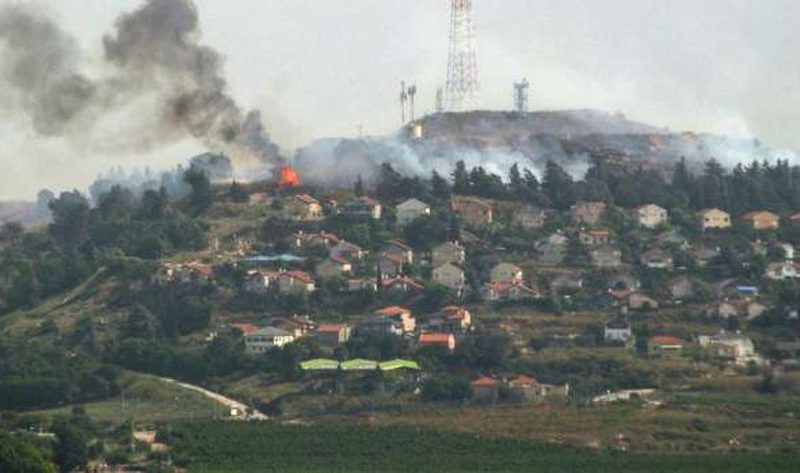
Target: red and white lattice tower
<point>462,64</point>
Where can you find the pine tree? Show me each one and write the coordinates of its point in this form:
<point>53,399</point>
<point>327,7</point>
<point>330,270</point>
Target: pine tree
<point>460,178</point>
<point>358,188</point>
<point>440,187</point>
<point>558,186</point>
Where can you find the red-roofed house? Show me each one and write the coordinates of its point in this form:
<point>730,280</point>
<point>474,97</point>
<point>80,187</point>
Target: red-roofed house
<point>485,389</point>
<point>472,211</point>
<point>401,314</point>
<point>446,340</point>
<point>245,328</point>
<point>333,335</point>
<point>456,318</point>
<point>661,344</point>
<point>762,220</point>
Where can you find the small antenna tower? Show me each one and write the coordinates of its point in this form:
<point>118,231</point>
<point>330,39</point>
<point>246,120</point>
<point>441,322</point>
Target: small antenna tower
<point>439,100</point>
<point>412,92</point>
<point>462,63</point>
<point>403,100</point>
<point>521,96</point>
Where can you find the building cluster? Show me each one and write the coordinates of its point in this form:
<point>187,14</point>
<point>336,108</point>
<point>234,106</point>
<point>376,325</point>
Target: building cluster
<point>575,260</point>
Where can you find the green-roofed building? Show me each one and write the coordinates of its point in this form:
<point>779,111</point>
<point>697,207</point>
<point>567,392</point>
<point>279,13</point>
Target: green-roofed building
<point>359,364</point>
<point>320,364</point>
<point>398,365</point>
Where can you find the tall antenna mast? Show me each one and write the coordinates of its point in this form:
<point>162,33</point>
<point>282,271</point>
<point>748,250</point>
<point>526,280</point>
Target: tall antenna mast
<point>403,100</point>
<point>412,92</point>
<point>439,100</point>
<point>462,63</point>
<point>521,96</point>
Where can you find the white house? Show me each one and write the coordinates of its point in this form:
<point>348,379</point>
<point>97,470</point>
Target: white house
<point>650,215</point>
<point>411,210</point>
<point>264,339</point>
<point>736,347</point>
<point>782,271</point>
<point>618,332</point>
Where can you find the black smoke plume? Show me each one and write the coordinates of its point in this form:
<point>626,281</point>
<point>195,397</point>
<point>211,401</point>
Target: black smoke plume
<point>155,76</point>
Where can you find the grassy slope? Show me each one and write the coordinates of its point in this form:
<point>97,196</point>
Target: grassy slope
<point>147,400</point>
<point>229,447</point>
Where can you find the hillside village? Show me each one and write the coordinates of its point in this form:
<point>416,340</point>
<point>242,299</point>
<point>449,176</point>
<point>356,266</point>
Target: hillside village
<point>434,275</point>
<point>308,302</point>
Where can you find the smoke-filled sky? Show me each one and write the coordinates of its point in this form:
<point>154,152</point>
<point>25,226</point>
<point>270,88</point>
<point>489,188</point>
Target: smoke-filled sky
<point>323,68</point>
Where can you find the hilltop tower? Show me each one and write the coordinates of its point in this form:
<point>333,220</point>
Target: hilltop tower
<point>462,65</point>
<point>521,96</point>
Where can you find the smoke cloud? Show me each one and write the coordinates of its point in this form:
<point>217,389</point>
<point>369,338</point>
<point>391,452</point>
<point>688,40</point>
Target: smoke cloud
<point>155,84</point>
<point>338,161</point>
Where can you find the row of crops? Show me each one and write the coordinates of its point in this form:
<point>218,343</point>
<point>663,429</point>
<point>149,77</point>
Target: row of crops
<point>233,447</point>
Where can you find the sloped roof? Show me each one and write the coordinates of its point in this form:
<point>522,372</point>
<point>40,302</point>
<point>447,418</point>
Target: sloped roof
<point>523,380</point>
<point>760,214</point>
<point>399,244</point>
<point>245,328</point>
<point>398,364</point>
<point>358,364</point>
<point>330,328</point>
<point>484,382</point>
<point>300,276</point>
<point>319,364</point>
<point>413,204</point>
<point>392,310</point>
<point>454,312</point>
<point>435,339</point>
<point>665,340</point>
<point>391,282</point>
<point>339,259</point>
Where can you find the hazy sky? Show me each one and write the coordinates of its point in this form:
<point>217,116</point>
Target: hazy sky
<point>321,68</point>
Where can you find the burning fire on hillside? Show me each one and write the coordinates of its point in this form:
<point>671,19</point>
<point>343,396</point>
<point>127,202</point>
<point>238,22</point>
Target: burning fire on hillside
<point>288,178</point>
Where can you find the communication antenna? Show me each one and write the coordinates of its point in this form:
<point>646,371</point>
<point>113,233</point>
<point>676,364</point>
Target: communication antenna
<point>521,96</point>
<point>403,100</point>
<point>462,63</point>
<point>439,100</point>
<point>412,92</point>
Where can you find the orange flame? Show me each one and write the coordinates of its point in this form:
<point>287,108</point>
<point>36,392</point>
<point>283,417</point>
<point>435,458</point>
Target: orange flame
<point>289,177</point>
